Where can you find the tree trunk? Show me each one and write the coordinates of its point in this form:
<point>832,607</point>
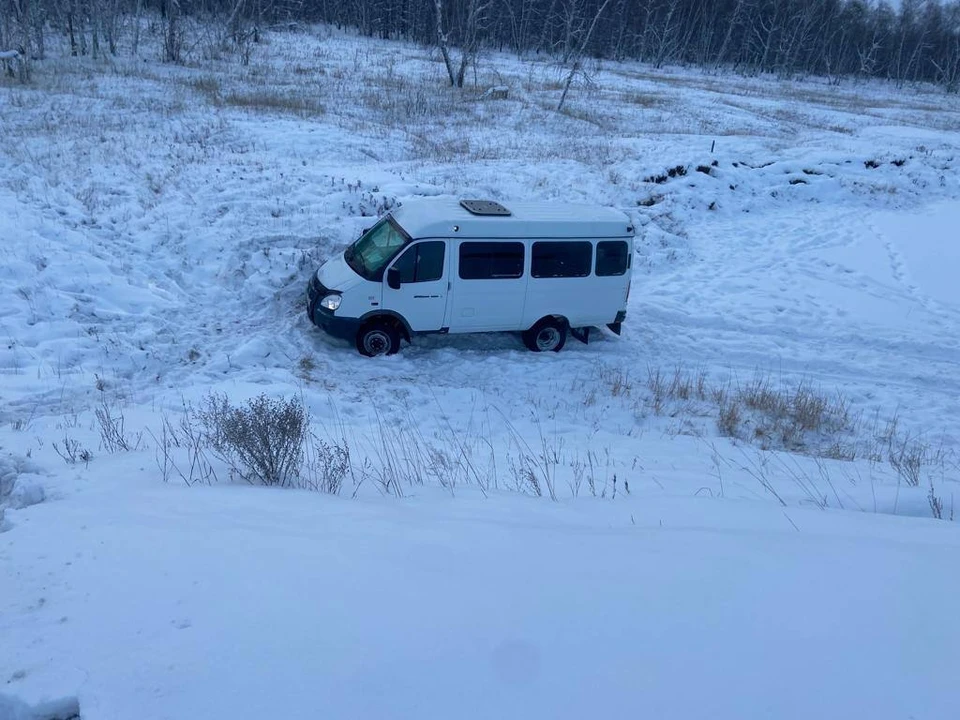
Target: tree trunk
<point>576,61</point>
<point>171,44</point>
<point>21,11</point>
<point>233,22</point>
<point>728,35</point>
<point>442,42</point>
<point>471,38</point>
<point>136,28</point>
<point>96,19</point>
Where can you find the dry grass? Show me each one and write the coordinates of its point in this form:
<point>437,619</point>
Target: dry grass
<point>645,100</point>
<point>770,413</point>
<point>267,100</point>
<point>802,418</point>
<point>208,86</point>
<point>729,419</point>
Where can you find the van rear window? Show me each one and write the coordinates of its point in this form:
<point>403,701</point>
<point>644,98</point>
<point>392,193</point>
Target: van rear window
<point>491,260</point>
<point>612,257</point>
<point>561,259</point>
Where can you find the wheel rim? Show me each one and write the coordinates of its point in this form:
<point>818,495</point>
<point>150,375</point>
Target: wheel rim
<point>376,342</point>
<point>548,338</point>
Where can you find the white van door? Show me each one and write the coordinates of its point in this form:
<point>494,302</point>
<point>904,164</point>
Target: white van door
<point>422,296</point>
<point>489,286</point>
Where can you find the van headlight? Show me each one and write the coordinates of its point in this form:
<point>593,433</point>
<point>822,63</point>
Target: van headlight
<point>330,302</point>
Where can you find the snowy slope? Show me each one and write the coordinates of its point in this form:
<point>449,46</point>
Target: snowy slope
<point>231,603</point>
<point>159,225</point>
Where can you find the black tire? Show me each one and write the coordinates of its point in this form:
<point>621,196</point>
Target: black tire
<point>378,338</point>
<point>547,335</point>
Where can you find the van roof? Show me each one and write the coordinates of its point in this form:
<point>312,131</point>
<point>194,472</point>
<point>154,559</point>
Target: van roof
<point>437,217</point>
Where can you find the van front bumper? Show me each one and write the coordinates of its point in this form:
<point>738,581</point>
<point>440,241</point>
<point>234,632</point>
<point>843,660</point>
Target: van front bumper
<point>326,320</point>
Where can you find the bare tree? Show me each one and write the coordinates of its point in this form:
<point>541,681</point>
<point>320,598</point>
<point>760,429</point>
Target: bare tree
<point>173,38</point>
<point>667,35</point>
<point>946,59</point>
<point>470,27</point>
<point>20,33</point>
<point>442,42</point>
<point>573,24</point>
<point>519,18</point>
<point>135,47</point>
<point>909,41</point>
<point>579,55</point>
<point>470,45</point>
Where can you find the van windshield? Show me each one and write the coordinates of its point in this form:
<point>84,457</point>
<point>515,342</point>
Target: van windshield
<point>369,255</point>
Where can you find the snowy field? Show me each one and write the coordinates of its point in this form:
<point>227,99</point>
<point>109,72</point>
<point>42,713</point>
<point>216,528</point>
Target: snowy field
<point>643,526</point>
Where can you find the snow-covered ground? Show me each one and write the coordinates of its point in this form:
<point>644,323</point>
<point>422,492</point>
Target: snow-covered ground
<point>159,225</point>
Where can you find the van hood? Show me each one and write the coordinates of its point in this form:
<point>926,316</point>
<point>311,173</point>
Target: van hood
<point>335,274</point>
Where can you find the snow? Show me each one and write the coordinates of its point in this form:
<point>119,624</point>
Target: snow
<point>159,225</point>
<point>269,604</point>
<point>924,247</point>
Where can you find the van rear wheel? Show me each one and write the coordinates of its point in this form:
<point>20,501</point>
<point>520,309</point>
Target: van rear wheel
<point>548,335</point>
<point>378,338</point>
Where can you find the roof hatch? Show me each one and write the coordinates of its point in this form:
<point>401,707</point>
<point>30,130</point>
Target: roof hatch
<point>484,207</point>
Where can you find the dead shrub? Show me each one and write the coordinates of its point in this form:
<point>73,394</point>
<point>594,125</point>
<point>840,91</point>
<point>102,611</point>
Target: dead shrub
<point>262,442</point>
<point>907,456</point>
<point>327,464</point>
<point>936,504</point>
<point>113,435</point>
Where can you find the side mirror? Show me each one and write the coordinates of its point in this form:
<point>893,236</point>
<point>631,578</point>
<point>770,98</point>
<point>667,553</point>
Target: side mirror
<point>393,278</point>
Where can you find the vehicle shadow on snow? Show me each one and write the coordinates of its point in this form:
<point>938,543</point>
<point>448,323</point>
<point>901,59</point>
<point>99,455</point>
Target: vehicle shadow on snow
<point>486,343</point>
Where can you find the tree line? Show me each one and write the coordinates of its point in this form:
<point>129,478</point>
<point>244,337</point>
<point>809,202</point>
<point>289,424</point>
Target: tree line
<point>917,40</point>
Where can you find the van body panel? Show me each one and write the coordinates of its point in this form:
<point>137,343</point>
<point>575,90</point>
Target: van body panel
<point>336,275</point>
<point>572,298</point>
<point>360,299</point>
<point>487,305</point>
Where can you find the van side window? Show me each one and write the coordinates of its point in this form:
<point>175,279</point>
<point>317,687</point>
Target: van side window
<point>489,260</point>
<point>561,259</point>
<point>430,260</point>
<point>612,257</point>
<point>422,263</point>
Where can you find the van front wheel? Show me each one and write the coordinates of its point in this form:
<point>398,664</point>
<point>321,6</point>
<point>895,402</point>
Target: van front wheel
<point>548,335</point>
<point>378,338</point>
